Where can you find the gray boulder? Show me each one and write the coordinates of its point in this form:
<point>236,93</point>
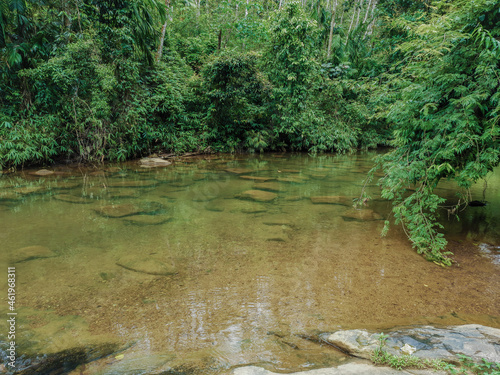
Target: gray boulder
<point>472,340</point>
<point>347,369</point>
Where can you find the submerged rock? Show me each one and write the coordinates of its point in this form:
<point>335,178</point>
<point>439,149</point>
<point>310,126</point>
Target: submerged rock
<point>246,207</point>
<point>270,186</point>
<point>129,209</point>
<point>293,198</point>
<point>332,199</point>
<point>363,214</point>
<point>277,221</point>
<point>31,252</point>
<point>216,206</point>
<point>472,340</point>
<point>131,183</point>
<point>257,178</point>
<point>258,195</point>
<point>146,264</point>
<point>64,361</point>
<point>274,233</point>
<point>29,190</point>
<point>66,185</point>
<point>8,195</point>
<point>239,170</point>
<point>133,363</point>
<point>144,220</point>
<point>293,179</point>
<point>73,199</point>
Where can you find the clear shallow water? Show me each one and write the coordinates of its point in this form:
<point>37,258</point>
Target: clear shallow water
<point>252,279</point>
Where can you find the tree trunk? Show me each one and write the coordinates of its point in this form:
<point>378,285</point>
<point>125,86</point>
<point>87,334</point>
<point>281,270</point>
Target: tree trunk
<point>79,17</point>
<point>357,18</point>
<point>367,11</point>
<point>350,26</point>
<point>330,36</point>
<point>369,29</point>
<point>163,31</point>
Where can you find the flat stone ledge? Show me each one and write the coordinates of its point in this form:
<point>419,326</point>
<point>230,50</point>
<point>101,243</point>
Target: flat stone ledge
<point>426,342</point>
<point>347,369</point>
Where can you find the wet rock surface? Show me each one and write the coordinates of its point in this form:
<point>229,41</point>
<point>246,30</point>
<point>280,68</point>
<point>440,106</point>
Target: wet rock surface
<point>472,340</point>
<point>154,162</point>
<point>42,172</point>
<point>347,369</point>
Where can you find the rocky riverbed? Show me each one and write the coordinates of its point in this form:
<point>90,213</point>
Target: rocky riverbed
<point>474,341</point>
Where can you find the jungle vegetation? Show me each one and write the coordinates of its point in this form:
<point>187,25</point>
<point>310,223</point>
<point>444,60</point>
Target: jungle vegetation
<point>95,80</point>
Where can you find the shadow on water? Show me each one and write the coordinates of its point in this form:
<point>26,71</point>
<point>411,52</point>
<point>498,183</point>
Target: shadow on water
<point>219,262</point>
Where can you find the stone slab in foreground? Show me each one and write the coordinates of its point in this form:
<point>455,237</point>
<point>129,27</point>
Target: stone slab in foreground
<point>347,369</point>
<point>472,340</point>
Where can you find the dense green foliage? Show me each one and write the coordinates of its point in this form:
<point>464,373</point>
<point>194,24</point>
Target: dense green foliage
<point>446,114</point>
<point>109,80</point>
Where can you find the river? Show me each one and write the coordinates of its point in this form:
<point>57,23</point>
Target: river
<point>222,261</point>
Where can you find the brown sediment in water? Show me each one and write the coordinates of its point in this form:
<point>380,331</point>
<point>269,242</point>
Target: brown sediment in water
<point>244,290</point>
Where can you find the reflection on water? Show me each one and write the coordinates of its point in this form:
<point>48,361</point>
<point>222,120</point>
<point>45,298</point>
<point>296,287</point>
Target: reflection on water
<point>218,262</point>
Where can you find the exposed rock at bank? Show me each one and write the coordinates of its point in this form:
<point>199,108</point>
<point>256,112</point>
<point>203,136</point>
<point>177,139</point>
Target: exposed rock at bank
<point>42,172</point>
<point>154,162</point>
<point>31,252</point>
<point>347,369</point>
<point>146,264</point>
<point>472,340</point>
